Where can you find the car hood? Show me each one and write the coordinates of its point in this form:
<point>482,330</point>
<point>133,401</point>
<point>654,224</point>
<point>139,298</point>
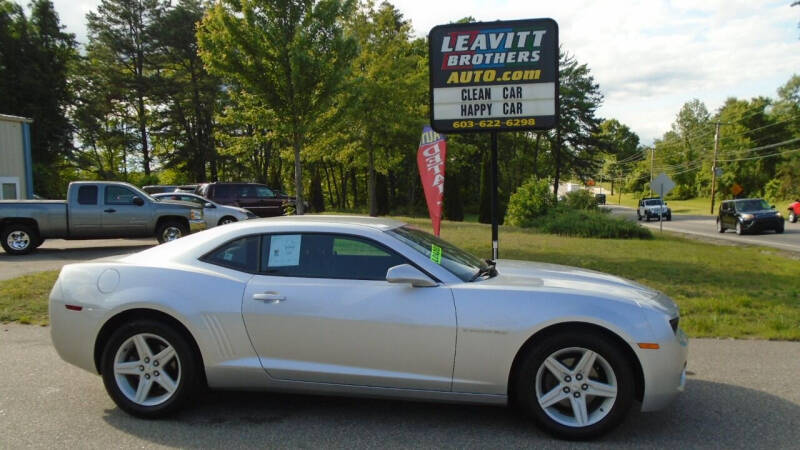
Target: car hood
<point>542,276</point>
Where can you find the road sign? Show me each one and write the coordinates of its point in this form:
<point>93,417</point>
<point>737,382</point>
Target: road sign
<point>494,76</point>
<point>663,184</point>
<point>736,189</point>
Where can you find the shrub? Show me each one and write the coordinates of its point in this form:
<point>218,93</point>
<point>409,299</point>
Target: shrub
<point>531,200</point>
<point>590,223</point>
<point>580,199</point>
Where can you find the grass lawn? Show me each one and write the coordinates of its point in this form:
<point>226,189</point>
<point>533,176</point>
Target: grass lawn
<point>723,291</point>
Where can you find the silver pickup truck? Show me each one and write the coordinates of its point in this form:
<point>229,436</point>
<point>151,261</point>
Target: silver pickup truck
<point>94,210</point>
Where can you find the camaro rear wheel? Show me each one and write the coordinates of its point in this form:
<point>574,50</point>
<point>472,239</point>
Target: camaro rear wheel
<point>149,369</point>
<point>576,386</point>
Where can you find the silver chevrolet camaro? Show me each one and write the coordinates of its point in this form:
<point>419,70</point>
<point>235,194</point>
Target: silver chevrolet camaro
<point>372,307</point>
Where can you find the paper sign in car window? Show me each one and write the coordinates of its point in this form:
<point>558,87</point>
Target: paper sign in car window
<point>436,254</point>
<point>284,250</point>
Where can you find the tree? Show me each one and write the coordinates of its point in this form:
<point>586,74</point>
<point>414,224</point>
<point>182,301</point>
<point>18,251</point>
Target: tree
<point>623,145</point>
<point>187,92</point>
<point>36,57</point>
<point>122,41</point>
<point>291,54</point>
<point>577,144</point>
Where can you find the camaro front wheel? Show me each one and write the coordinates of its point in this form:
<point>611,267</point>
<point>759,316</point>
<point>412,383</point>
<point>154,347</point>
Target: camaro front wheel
<point>149,369</point>
<point>576,385</point>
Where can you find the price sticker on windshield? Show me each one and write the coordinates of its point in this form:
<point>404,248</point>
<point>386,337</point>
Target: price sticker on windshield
<point>436,254</point>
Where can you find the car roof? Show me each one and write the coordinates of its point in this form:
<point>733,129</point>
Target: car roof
<point>378,223</point>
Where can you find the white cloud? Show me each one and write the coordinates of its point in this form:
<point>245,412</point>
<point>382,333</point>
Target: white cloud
<point>649,56</point>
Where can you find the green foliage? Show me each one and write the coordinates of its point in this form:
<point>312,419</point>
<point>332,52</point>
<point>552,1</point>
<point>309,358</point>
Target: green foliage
<point>24,299</point>
<point>580,199</point>
<point>293,56</point>
<point>36,57</point>
<point>531,201</point>
<point>590,224</point>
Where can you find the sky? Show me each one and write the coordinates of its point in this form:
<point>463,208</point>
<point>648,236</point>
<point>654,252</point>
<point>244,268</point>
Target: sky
<point>649,57</point>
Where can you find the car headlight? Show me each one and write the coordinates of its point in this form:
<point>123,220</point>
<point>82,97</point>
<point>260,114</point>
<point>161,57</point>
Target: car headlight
<point>196,214</point>
<point>747,217</point>
<point>777,214</point>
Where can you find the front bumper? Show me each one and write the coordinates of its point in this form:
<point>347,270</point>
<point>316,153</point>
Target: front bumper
<point>664,369</point>
<point>196,225</point>
<point>770,223</point>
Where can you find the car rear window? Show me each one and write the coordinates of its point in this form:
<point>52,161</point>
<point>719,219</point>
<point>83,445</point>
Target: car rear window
<point>87,195</point>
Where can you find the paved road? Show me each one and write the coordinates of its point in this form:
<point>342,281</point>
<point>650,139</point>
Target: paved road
<point>55,253</point>
<point>740,394</point>
<point>706,226</point>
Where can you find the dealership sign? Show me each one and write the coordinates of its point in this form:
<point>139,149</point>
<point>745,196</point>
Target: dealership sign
<point>494,76</point>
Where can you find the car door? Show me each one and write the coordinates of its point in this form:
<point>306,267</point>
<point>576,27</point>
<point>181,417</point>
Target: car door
<point>269,201</point>
<point>85,212</point>
<point>121,216</point>
<point>321,311</point>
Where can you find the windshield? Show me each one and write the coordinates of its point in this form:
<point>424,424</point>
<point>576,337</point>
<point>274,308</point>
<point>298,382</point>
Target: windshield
<point>652,202</point>
<point>456,261</point>
<point>752,205</point>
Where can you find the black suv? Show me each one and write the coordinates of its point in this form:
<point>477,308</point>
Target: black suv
<point>748,215</point>
<point>259,199</point>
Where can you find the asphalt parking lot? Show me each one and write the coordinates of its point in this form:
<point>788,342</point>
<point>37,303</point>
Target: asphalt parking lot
<point>740,394</point>
<point>55,253</point>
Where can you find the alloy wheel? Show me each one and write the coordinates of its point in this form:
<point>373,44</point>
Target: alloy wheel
<point>576,387</point>
<point>147,369</point>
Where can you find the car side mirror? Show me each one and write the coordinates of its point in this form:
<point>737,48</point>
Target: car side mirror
<point>665,203</point>
<point>209,205</point>
<point>772,206</point>
<point>408,274</point>
<point>137,201</point>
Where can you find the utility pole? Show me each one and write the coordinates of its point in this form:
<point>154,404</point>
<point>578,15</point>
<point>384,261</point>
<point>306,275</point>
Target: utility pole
<point>652,160</point>
<point>714,168</point>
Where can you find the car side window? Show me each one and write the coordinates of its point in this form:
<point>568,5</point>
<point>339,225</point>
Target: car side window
<point>87,195</point>
<point>241,254</point>
<point>119,195</point>
<point>312,255</point>
<point>189,198</point>
<point>264,192</point>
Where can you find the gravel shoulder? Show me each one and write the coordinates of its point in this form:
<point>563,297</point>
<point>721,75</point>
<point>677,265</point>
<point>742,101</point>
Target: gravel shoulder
<point>740,394</point>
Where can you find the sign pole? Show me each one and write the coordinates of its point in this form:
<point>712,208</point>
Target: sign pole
<point>661,211</point>
<point>495,215</point>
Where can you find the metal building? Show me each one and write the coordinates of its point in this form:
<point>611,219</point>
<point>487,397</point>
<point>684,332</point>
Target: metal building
<point>16,165</point>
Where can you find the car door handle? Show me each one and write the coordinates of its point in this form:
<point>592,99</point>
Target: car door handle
<point>110,210</point>
<point>270,297</point>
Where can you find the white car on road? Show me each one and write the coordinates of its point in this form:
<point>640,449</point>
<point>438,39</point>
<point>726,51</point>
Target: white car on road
<point>214,213</point>
<point>368,307</point>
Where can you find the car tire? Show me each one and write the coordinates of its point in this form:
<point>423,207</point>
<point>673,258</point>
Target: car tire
<point>638,217</point>
<point>38,243</point>
<point>720,227</point>
<point>131,358</point>
<point>226,220</point>
<point>171,230</point>
<point>552,400</point>
<point>779,228</point>
<point>669,217</point>
<point>792,217</point>
<point>19,239</point>
<point>739,229</point>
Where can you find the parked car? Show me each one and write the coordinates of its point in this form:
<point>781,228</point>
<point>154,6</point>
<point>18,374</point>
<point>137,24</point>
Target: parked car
<point>368,307</point>
<point>190,188</point>
<point>159,188</point>
<point>257,198</point>
<point>94,210</point>
<point>214,213</point>
<point>600,199</point>
<point>794,211</point>
<point>652,207</point>
<point>748,215</point>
